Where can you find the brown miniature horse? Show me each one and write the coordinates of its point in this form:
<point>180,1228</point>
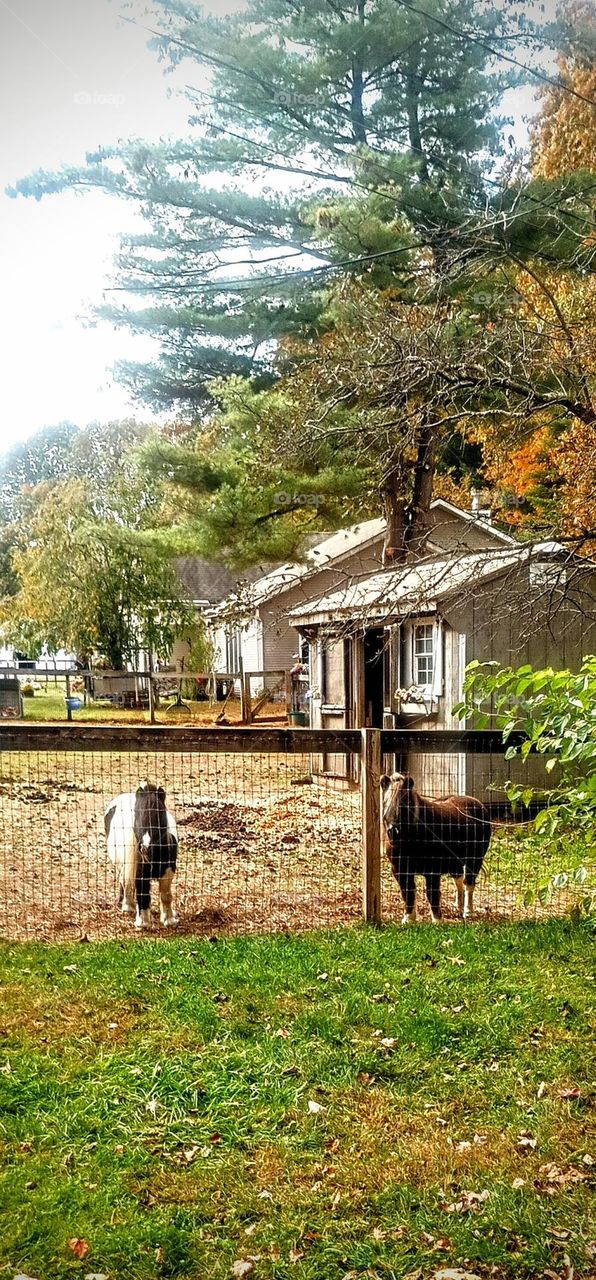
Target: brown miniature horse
<point>433,838</point>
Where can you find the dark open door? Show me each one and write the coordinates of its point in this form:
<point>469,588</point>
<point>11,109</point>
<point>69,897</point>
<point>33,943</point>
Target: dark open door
<point>375,642</point>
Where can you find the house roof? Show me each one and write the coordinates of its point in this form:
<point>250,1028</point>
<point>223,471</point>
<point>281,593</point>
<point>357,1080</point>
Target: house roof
<point>209,583</point>
<point>330,550</point>
<point>204,581</point>
<point>334,547</point>
<point>476,518</point>
<point>418,588</point>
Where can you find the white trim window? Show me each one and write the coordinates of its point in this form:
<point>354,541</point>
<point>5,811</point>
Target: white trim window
<point>421,667</point>
<point>424,654</point>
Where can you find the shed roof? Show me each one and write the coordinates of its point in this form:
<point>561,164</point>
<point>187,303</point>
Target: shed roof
<point>418,588</point>
<point>208,583</point>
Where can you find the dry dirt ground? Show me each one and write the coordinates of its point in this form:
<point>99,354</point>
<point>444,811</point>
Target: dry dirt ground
<point>261,847</point>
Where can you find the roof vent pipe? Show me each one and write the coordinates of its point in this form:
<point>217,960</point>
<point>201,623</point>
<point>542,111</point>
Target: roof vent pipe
<point>480,507</point>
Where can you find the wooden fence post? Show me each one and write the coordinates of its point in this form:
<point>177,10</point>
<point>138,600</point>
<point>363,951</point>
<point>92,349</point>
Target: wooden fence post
<point>67,699</point>
<point>151,699</point>
<point>246,698</point>
<point>370,784</point>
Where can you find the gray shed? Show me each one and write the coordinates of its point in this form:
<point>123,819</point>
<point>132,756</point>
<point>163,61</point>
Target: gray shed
<point>11,699</point>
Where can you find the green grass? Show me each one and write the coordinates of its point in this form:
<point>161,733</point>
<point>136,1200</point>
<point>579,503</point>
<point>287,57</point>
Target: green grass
<point>154,1102</point>
<point>49,705</point>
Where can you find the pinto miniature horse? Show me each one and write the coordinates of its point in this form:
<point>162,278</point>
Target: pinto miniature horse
<point>433,838</point>
<point>143,845</point>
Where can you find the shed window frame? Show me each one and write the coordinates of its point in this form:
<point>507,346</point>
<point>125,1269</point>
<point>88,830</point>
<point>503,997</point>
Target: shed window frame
<point>423,654</point>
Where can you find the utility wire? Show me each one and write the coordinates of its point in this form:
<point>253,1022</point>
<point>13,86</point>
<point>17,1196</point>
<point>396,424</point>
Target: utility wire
<point>496,53</point>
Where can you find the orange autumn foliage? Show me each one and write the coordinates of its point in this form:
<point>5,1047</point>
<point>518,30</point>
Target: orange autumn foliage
<point>566,135</point>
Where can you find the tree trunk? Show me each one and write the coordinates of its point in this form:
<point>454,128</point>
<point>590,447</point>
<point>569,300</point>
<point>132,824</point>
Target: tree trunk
<point>356,111</point>
<point>394,510</point>
<point>416,532</point>
<point>414,134</point>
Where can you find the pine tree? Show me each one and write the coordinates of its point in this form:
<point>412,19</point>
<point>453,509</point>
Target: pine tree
<point>330,137</point>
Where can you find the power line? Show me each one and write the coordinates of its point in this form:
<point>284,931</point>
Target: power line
<point>496,53</point>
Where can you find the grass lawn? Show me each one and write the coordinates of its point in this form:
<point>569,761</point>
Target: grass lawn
<point>49,705</point>
<point>357,1104</point>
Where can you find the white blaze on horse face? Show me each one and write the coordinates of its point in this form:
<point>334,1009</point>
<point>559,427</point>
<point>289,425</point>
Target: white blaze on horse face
<point>146,841</point>
<point>469,902</point>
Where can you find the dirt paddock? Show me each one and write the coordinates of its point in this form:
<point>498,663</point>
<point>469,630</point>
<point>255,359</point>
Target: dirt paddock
<point>265,845</point>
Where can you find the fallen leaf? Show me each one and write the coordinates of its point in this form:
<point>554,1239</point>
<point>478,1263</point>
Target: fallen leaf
<point>69,968</point>
<point>242,1267</point>
<point>451,1273</point>
<point>517,1183</point>
<point>587,1159</point>
<point>443,1243</point>
<point>79,1247</point>
<point>389,1042</point>
<point>265,1195</point>
<point>467,1201</point>
<point>571,1092</point>
<point>295,1255</point>
<point>160,1254</point>
<point>455,960</point>
<point>314,1107</point>
<point>189,1154</point>
<point>541,1090</point>
<point>526,1142</point>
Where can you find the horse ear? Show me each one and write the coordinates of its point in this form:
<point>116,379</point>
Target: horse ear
<point>161,793</point>
<point>408,782</point>
<point>385,781</point>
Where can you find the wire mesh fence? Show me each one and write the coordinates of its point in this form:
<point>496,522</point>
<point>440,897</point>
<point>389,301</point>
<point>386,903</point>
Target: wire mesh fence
<point>268,840</point>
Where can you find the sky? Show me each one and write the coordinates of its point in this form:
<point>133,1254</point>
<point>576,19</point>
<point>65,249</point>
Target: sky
<point>73,76</point>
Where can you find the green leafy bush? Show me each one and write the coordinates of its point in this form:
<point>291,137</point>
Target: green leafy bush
<point>555,712</point>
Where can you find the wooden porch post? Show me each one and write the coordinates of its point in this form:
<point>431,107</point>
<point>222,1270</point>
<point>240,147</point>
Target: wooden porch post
<point>370,780</point>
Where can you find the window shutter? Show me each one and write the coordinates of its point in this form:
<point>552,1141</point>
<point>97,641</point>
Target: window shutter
<point>437,685</point>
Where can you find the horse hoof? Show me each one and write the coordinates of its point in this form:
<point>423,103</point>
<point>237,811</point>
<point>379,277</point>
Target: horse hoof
<point>406,919</point>
<point>169,921</point>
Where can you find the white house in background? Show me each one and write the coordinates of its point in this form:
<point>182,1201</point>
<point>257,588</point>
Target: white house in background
<point>60,661</point>
<point>263,636</point>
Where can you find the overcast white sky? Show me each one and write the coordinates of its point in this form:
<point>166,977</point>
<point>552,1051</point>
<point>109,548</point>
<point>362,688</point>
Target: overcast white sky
<point>55,255</point>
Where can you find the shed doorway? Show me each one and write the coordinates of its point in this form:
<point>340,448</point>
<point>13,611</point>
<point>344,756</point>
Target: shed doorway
<point>375,645</point>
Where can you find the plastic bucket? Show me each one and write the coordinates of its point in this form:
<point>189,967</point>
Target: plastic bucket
<point>298,719</point>
<point>73,704</point>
